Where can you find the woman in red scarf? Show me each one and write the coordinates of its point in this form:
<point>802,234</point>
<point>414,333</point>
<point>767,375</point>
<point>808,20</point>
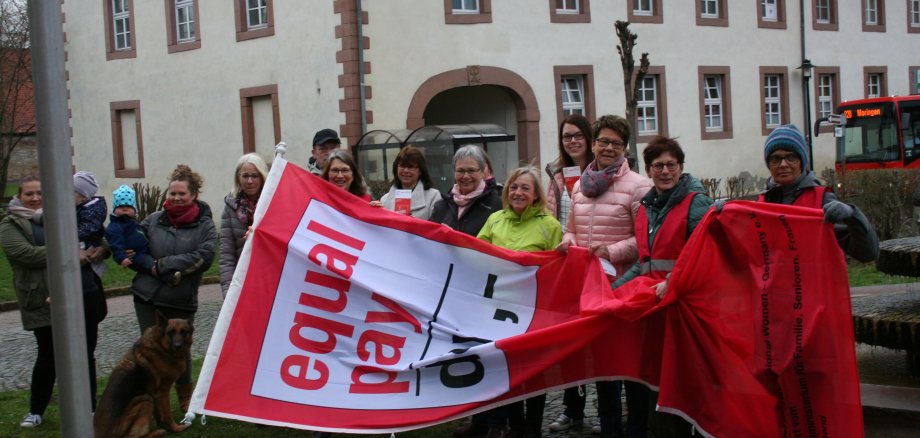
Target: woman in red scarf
<point>183,240</point>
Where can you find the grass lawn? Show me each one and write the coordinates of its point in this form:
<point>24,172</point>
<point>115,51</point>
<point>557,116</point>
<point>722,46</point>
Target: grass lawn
<point>14,404</point>
<point>11,189</point>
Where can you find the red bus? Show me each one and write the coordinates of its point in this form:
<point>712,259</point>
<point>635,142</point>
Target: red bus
<point>877,133</point>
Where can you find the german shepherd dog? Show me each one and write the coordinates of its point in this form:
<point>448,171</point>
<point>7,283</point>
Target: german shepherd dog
<point>139,386</point>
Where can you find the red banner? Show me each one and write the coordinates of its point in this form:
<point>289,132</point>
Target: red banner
<point>345,317</point>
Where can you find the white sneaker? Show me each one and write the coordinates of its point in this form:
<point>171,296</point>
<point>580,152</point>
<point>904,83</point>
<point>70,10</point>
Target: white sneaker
<point>596,429</point>
<point>31,420</point>
<point>564,422</point>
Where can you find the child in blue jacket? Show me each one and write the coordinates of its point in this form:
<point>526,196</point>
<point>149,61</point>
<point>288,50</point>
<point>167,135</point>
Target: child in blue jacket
<point>124,232</point>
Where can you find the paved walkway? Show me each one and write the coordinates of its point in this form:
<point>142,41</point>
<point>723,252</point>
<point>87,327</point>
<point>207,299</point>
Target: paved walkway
<point>119,331</point>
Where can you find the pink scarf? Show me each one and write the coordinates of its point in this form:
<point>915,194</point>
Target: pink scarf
<point>464,201</point>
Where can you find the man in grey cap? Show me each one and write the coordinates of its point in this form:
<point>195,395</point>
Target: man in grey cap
<point>324,142</point>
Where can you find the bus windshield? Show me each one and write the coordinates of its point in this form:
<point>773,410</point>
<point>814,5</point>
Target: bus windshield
<point>871,133</point>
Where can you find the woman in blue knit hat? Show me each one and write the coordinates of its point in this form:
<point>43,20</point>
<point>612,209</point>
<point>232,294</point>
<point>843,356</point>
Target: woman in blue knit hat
<point>791,183</point>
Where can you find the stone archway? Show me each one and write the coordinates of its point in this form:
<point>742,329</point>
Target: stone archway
<point>528,114</point>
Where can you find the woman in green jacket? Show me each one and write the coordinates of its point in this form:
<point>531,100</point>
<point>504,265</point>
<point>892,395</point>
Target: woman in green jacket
<point>22,238</point>
<point>523,224</point>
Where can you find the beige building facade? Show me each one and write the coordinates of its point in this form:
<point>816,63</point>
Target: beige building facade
<point>154,84</point>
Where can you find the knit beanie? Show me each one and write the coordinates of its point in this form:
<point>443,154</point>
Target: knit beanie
<point>787,137</point>
<point>84,183</point>
<point>124,197</point>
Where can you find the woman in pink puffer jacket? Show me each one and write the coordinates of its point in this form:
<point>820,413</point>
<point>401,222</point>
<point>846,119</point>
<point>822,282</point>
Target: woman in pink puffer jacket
<point>604,204</point>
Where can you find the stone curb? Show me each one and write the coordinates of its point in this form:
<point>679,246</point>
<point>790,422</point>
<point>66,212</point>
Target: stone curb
<point>109,293</point>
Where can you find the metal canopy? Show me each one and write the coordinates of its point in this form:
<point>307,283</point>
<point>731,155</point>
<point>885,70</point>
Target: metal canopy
<point>375,151</point>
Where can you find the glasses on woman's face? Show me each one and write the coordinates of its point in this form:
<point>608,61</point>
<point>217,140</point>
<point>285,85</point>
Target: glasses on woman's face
<point>340,171</point>
<point>671,165</point>
<point>776,160</point>
<point>568,138</point>
<point>461,172</point>
<point>248,176</point>
<point>407,167</point>
<point>615,144</point>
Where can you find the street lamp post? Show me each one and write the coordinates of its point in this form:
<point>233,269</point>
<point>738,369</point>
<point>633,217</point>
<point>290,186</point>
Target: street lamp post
<point>806,68</point>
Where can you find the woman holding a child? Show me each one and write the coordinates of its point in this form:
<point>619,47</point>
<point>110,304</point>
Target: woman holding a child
<point>182,241</point>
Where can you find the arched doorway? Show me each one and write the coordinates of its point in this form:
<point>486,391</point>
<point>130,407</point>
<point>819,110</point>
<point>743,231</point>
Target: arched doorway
<point>483,94</point>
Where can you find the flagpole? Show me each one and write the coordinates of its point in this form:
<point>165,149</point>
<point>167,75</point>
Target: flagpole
<point>54,158</point>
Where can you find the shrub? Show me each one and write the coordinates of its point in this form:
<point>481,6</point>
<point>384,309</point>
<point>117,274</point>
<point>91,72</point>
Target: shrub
<point>886,196</point>
<point>150,199</point>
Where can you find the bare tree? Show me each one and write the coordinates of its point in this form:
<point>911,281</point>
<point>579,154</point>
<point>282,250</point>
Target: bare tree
<point>630,86</point>
<point>16,108</point>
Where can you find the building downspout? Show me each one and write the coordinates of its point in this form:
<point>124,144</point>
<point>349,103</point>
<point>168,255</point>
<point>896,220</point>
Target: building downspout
<point>361,97</point>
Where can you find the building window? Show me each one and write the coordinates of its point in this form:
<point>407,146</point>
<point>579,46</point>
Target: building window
<point>644,11</point>
<point>873,15</point>
<point>712,13</point>
<point>467,11</point>
<point>827,92</point>
<point>254,19</point>
<point>182,25</point>
<point>914,80</point>
<point>875,80</point>
<point>771,14</point>
<point>573,95</point>
<point>574,90</point>
<point>715,103</point>
<point>652,108</point>
<point>647,106</point>
<point>774,96</point>
<point>261,119</point>
<point>913,16</point>
<point>127,144</point>
<point>569,11</point>
<point>119,42</point>
<point>465,6</point>
<point>824,15</point>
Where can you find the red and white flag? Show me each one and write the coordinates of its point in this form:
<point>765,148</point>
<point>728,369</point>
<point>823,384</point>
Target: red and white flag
<point>349,318</point>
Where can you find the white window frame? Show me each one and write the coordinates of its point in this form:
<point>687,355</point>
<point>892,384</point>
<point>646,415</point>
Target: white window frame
<point>466,7</point>
<point>914,13</point>
<point>773,101</point>
<point>647,114</point>
<point>643,7</point>
<point>769,10</point>
<point>569,7</point>
<point>874,85</point>
<point>823,11</point>
<point>709,9</point>
<point>712,103</point>
<point>825,95</point>
<point>872,12</point>
<point>121,13</point>
<point>260,7</point>
<point>188,7</point>
<point>573,98</point>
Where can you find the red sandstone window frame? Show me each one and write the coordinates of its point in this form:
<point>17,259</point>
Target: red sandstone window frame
<point>173,44</point>
<point>879,25</point>
<point>249,131</point>
<point>720,21</point>
<point>484,15</point>
<point>832,24</point>
<point>587,75</point>
<point>726,98</point>
<point>582,16</point>
<point>779,23</point>
<point>110,52</point>
<point>657,16</point>
<point>243,32</point>
<point>834,73</point>
<point>118,141</point>
<point>783,73</point>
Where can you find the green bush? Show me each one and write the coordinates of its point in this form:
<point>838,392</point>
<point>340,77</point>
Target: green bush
<point>886,196</point>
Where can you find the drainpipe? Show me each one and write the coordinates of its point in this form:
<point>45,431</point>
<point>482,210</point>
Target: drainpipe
<point>361,97</point>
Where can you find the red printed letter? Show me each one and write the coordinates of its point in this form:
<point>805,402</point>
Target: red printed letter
<point>332,255</point>
<point>388,386</point>
<point>323,230</point>
<point>380,341</point>
<point>331,328</point>
<point>336,284</point>
<point>300,380</point>
<point>399,314</point>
